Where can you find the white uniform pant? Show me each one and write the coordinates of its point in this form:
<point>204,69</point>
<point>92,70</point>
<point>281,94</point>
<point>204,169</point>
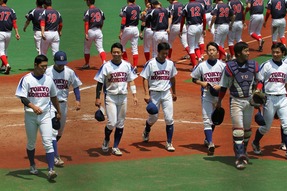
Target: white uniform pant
<point>208,21</point>
<point>165,100</point>
<point>278,28</point>
<point>147,39</point>
<point>274,104</point>
<point>220,34</point>
<point>37,40</point>
<point>116,108</point>
<point>131,34</point>
<point>4,42</point>
<point>193,35</point>
<point>42,122</point>
<point>208,106</point>
<point>158,37</point>
<point>255,24</point>
<point>236,33</point>
<point>52,40</point>
<point>64,108</point>
<point>174,32</point>
<point>95,35</point>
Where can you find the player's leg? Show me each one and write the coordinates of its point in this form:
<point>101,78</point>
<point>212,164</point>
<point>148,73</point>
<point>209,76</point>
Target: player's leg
<point>167,108</point>
<point>45,43</point>
<point>55,43</point>
<point>281,31</point>
<point>247,119</point>
<point>31,128</point>
<point>126,36</point>
<point>275,30</point>
<point>253,27</point>
<point>37,40</point>
<point>4,57</point>
<point>183,40</point>
<point>87,48</point>
<point>134,46</point>
<point>191,43</point>
<point>282,116</point>
<point>174,31</point>
<point>147,42</point>
<point>99,45</point>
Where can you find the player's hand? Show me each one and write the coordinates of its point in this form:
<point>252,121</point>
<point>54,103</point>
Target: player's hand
<point>60,33</point>
<point>141,36</point>
<point>205,84</point>
<point>37,110</point>
<point>216,87</point>
<point>168,31</point>
<point>17,36</point>
<point>204,33</point>
<point>264,24</point>
<point>43,37</point>
<point>244,26</point>
<point>98,103</point>
<point>135,100</point>
<point>24,29</point>
<point>147,98</point>
<point>86,36</point>
<point>174,97</point>
<point>58,115</point>
<point>120,35</point>
<point>78,105</point>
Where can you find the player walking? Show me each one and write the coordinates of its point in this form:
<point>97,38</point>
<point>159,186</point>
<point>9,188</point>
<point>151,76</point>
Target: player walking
<point>34,16</point>
<point>51,28</point>
<point>207,74</point>
<point>223,18</point>
<point>64,77</point>
<point>158,18</point>
<point>159,86</point>
<point>175,9</point>
<point>8,20</point>
<point>277,9</point>
<point>235,33</point>
<point>273,76</point>
<point>36,91</point>
<point>194,14</point>
<point>239,76</point>
<point>129,29</point>
<point>114,76</point>
<point>94,21</point>
<point>256,8</point>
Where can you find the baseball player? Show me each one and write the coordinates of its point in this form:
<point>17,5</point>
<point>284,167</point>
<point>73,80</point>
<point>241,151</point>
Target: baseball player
<point>159,87</point>
<point>207,74</point>
<point>7,22</point>
<point>273,76</point>
<point>129,29</point>
<point>34,16</point>
<point>64,77</point>
<point>194,14</point>
<point>239,76</point>
<point>94,21</point>
<point>36,91</point>
<point>223,18</point>
<point>146,33</point>
<point>51,28</point>
<point>256,8</point>
<point>277,9</point>
<point>114,76</point>
<point>158,18</point>
<point>235,33</point>
<point>175,9</point>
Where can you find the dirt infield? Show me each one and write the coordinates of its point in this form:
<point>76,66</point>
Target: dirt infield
<point>83,135</point>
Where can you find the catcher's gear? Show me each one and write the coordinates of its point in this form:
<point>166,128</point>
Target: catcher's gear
<point>213,91</point>
<point>99,115</point>
<point>151,108</point>
<point>259,118</point>
<point>56,124</point>
<point>217,116</point>
<point>258,98</point>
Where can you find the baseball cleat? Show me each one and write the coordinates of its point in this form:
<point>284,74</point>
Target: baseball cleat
<point>261,45</point>
<point>169,147</point>
<point>33,170</point>
<point>86,66</point>
<point>205,143</point>
<point>105,146</point>
<point>145,136</point>
<point>185,57</point>
<point>3,68</point>
<point>117,152</point>
<point>227,57</point>
<point>52,175</point>
<point>256,149</point>
<point>7,71</point>
<point>211,148</point>
<point>240,164</point>
<point>58,162</point>
<point>282,147</point>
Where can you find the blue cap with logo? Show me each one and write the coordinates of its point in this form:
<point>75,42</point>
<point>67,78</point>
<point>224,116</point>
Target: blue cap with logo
<point>60,58</point>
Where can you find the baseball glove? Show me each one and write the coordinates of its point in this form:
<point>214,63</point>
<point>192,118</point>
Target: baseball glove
<point>258,98</point>
<point>217,116</point>
<point>56,124</point>
<point>99,115</point>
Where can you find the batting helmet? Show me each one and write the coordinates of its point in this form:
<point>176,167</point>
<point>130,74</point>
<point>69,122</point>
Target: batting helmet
<point>259,118</point>
<point>56,124</point>
<point>151,108</point>
<point>217,116</point>
<point>99,115</point>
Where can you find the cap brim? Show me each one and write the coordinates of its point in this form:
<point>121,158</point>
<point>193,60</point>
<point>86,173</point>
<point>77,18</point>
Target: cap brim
<point>61,62</point>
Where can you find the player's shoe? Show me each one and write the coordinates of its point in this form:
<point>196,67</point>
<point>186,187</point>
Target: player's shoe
<point>58,161</point>
<point>105,146</point>
<point>185,57</point>
<point>169,147</point>
<point>240,164</point>
<point>145,136</point>
<point>256,149</point>
<point>3,68</point>
<point>205,143</point>
<point>33,170</point>
<point>211,148</point>
<point>283,146</point>
<point>261,45</point>
<point>117,152</point>
<point>86,66</point>
<point>7,70</point>
<point>52,175</point>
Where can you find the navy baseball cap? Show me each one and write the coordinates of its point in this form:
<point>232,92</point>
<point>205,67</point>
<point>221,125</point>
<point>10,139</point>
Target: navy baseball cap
<point>60,58</point>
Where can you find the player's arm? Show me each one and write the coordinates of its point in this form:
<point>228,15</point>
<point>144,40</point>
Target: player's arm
<point>123,24</point>
<point>60,27</point>
<point>29,104</point>
<point>78,98</point>
<point>182,21</point>
<point>172,81</point>
<point>134,92</point>
<point>98,94</point>
<point>247,8</point>
<point>146,90</point>
<point>26,25</point>
<point>268,12</point>
<point>43,25</point>
<point>199,82</point>
<point>212,22</point>
<point>55,103</point>
<point>16,29</point>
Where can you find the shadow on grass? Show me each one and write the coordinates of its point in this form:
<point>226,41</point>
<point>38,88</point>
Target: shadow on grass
<point>25,174</point>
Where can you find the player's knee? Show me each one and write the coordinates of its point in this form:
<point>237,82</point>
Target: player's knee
<point>238,135</point>
<point>111,127</point>
<point>152,119</point>
<point>169,121</point>
<point>48,146</point>
<point>207,124</point>
<point>247,133</point>
<point>31,146</point>
<point>263,130</point>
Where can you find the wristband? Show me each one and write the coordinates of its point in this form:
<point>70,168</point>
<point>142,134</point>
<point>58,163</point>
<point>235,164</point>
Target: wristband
<point>133,89</point>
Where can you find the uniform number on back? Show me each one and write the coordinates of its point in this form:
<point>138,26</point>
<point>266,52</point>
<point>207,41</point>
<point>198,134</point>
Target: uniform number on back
<point>195,11</point>
<point>237,8</point>
<point>278,6</point>
<point>4,15</point>
<point>223,12</point>
<point>257,3</point>
<point>134,15</point>
<point>52,18</point>
<point>96,17</point>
